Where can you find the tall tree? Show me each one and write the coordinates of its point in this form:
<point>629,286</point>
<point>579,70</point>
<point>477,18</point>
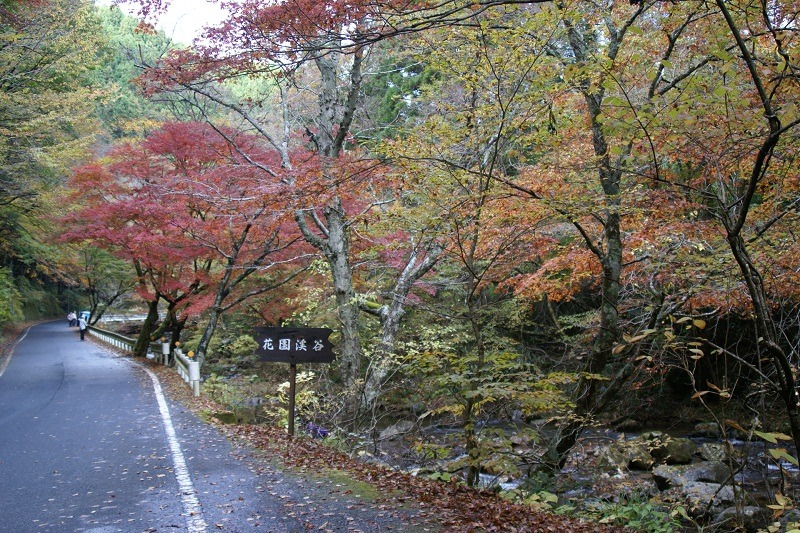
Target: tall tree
<point>230,211</point>
<point>105,278</point>
<point>294,45</point>
<point>192,216</point>
<point>741,171</point>
<point>46,122</point>
<point>121,213</point>
<point>475,124</point>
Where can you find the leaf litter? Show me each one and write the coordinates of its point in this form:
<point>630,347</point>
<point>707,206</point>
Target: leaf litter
<point>433,505</point>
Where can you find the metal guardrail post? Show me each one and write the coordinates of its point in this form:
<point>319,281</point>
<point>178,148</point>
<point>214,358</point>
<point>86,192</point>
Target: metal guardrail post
<point>165,353</point>
<point>180,365</point>
<point>194,377</point>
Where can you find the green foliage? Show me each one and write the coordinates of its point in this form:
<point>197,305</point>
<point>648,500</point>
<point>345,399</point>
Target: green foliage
<point>307,402</point>
<point>636,512</point>
<point>470,389</point>
<point>394,89</point>
<point>39,301</point>
<point>11,310</point>
<point>499,377</point>
<point>425,452</point>
<point>236,352</point>
<point>123,110</point>
<point>46,122</point>
<point>311,307</point>
<point>252,89</point>
<point>222,391</point>
<point>446,477</point>
<point>539,501</point>
<point>536,490</point>
<point>244,396</point>
<point>241,347</point>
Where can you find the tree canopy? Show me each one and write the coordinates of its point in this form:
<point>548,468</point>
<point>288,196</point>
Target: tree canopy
<point>541,205</point>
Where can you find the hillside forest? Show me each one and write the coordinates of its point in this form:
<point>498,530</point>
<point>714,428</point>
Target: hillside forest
<point>521,219</point>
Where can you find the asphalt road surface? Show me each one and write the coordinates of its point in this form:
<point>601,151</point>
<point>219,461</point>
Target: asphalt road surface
<point>88,442</point>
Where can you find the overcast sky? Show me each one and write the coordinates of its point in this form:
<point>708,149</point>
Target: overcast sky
<point>184,19</point>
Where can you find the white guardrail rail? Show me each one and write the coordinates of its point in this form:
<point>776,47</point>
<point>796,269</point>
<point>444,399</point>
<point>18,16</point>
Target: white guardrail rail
<point>189,370</point>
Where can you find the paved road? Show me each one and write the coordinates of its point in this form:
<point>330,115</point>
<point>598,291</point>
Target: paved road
<point>89,443</point>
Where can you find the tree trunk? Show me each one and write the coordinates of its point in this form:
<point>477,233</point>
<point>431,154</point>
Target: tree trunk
<point>337,253</point>
<point>768,335</point>
<point>381,365</point>
<point>226,284</point>
<point>208,333</point>
<point>176,328</point>
<point>391,316</point>
<point>335,245</point>
<point>144,338</point>
<point>608,250</point>
<point>471,445</point>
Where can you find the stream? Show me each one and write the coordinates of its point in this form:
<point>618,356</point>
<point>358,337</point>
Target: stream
<point>756,471</point>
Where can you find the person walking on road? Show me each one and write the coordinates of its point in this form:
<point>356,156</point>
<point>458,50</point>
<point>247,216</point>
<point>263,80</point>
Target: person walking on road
<point>82,326</point>
<point>72,317</point>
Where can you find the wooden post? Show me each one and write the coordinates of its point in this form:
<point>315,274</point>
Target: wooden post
<point>293,346</point>
<point>292,380</point>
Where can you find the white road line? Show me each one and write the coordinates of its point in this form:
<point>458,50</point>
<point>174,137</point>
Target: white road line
<point>4,364</point>
<point>195,523</point>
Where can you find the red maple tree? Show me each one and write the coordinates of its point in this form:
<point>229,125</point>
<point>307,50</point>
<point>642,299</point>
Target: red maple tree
<point>195,218</point>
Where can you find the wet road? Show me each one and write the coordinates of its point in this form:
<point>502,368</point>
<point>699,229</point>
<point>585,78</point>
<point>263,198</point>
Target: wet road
<point>88,442</point>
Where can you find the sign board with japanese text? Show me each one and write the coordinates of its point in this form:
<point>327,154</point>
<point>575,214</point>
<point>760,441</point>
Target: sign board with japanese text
<point>293,345</point>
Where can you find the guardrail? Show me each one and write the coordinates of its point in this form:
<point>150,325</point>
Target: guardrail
<point>116,340</point>
<point>189,370</point>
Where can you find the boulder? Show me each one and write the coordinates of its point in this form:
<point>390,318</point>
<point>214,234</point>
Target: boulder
<point>641,460</point>
<point>667,476</point>
<point>673,450</point>
<point>706,429</point>
<point>522,443</point>
<point>396,431</point>
<point>748,518</point>
<point>705,499</point>
<point>625,455</point>
<point>717,451</point>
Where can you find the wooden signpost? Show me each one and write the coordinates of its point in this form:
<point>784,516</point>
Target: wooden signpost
<point>293,346</point>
